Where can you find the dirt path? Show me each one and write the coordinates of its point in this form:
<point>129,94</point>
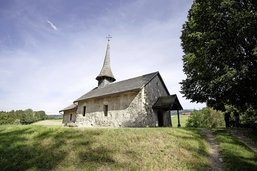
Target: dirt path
<point>215,159</point>
<point>247,141</point>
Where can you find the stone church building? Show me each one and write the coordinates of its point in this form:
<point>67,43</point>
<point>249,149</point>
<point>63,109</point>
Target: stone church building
<point>143,101</point>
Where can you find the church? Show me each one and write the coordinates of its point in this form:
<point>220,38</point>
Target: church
<point>143,101</point>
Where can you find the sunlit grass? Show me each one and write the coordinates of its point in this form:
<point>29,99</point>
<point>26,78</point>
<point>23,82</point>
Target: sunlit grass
<point>183,120</point>
<point>52,122</point>
<point>49,148</point>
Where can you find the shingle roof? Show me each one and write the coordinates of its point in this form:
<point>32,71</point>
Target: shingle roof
<point>69,107</point>
<point>118,87</point>
<point>106,70</point>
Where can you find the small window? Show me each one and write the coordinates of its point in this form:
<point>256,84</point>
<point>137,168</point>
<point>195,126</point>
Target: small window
<point>84,110</point>
<point>105,110</point>
<point>70,117</point>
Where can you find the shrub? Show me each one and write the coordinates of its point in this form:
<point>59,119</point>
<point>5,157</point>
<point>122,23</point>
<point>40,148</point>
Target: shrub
<point>205,118</point>
<point>249,118</point>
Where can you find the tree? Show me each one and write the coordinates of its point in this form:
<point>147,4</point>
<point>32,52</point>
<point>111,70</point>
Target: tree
<point>220,45</point>
<point>27,116</point>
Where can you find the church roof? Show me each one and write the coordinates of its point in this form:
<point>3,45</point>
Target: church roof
<point>69,107</point>
<point>106,70</point>
<point>118,87</point>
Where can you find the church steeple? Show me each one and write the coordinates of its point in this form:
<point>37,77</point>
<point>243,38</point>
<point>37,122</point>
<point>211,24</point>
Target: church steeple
<point>105,77</point>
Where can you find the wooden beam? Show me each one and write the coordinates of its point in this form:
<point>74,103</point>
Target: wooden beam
<point>178,119</point>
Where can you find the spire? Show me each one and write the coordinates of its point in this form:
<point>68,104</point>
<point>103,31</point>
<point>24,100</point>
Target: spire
<point>106,75</point>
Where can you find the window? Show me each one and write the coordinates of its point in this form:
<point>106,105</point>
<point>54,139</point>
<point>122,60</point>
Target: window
<point>70,117</point>
<point>105,110</point>
<point>84,110</point>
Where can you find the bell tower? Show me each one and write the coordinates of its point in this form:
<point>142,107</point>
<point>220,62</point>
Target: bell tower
<point>106,77</point>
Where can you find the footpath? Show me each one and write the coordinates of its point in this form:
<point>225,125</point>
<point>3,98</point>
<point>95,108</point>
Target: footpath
<point>214,156</point>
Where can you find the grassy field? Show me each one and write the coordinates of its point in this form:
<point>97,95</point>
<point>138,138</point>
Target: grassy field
<point>51,148</point>
<point>52,122</point>
<point>183,120</point>
<point>36,147</point>
<point>236,155</point>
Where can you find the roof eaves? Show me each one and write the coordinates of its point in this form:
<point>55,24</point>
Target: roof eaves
<point>158,74</point>
<point>163,83</point>
<point>155,73</point>
<point>73,106</point>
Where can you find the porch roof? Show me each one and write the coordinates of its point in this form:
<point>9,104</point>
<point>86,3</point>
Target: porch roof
<point>170,102</point>
<point>73,106</point>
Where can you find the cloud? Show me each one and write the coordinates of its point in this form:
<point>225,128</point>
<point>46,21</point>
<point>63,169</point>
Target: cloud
<point>52,25</point>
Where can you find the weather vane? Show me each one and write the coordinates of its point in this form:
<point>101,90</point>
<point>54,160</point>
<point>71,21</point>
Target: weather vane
<point>108,37</point>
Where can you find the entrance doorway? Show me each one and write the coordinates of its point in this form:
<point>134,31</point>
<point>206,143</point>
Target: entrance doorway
<point>160,118</point>
<point>165,104</point>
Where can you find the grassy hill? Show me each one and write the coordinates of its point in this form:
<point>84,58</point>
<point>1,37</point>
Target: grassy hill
<point>51,148</point>
<point>36,147</point>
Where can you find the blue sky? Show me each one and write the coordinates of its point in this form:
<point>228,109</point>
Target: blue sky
<point>52,50</point>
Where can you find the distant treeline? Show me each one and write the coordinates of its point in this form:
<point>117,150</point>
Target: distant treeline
<point>54,116</point>
<point>27,116</point>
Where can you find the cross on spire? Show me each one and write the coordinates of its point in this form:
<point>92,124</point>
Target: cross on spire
<point>108,37</point>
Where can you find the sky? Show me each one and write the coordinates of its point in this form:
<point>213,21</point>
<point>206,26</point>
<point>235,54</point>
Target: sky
<point>52,50</point>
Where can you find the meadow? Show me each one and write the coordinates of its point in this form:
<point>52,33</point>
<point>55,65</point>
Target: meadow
<point>36,147</point>
<point>51,148</point>
<point>183,120</point>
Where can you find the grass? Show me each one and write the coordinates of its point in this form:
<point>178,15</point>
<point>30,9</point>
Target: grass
<point>236,155</point>
<point>51,122</point>
<point>248,132</point>
<point>183,120</point>
<point>51,148</point>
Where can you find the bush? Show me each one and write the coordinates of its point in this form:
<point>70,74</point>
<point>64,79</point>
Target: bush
<point>205,118</point>
<point>249,118</point>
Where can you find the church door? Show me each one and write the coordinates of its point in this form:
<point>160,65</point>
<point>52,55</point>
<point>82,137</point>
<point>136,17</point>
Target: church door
<point>160,118</point>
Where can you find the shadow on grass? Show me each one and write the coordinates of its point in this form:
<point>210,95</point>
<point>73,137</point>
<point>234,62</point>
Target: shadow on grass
<point>40,148</point>
<point>200,151</point>
<point>18,151</point>
<point>93,159</point>
<point>193,142</point>
<point>236,155</point>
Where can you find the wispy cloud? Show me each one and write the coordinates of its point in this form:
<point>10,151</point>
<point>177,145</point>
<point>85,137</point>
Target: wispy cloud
<point>52,25</point>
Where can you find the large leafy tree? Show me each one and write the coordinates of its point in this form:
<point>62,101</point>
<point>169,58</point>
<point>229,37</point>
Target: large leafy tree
<point>220,45</point>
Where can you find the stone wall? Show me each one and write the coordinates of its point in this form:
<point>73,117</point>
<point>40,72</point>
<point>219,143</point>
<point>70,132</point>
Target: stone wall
<point>66,116</point>
<point>123,109</point>
<point>152,91</point>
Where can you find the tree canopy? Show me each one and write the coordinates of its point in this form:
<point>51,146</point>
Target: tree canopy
<point>27,116</point>
<point>219,41</point>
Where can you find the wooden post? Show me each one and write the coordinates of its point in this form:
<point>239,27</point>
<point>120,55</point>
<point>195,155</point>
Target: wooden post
<point>178,119</point>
